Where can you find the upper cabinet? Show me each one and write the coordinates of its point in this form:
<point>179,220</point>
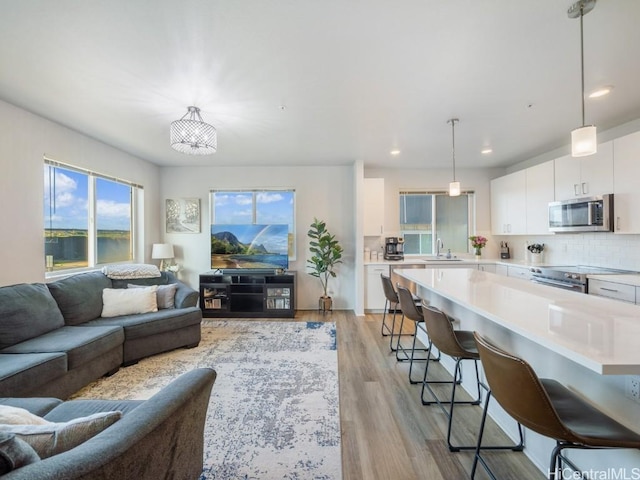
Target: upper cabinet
<point>520,201</point>
<point>373,206</point>
<point>577,177</point>
<point>626,171</point>
<point>540,191</point>
<point>508,204</point>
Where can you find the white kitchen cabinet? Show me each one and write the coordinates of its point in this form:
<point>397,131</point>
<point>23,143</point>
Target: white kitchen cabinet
<point>519,272</point>
<point>617,291</point>
<point>502,270</point>
<point>626,171</point>
<point>540,191</point>
<point>374,293</point>
<point>577,177</point>
<point>487,267</point>
<point>508,204</point>
<point>373,206</point>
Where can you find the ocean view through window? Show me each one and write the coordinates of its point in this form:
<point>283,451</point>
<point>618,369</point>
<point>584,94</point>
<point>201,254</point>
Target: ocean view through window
<point>88,218</point>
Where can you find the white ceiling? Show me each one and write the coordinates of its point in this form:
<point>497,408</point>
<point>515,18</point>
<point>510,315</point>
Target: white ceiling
<point>358,77</point>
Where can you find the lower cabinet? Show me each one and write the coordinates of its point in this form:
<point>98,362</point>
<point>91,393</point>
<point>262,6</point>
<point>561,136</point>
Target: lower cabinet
<point>519,272</point>
<point>616,291</point>
<point>487,267</point>
<point>374,294</point>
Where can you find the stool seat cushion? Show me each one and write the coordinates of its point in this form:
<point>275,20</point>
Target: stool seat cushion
<point>587,424</point>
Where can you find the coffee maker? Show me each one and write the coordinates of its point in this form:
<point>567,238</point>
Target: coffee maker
<point>394,248</point>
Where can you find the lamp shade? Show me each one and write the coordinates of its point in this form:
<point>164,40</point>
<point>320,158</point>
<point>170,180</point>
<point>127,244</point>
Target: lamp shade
<point>162,251</point>
<point>454,189</point>
<point>584,141</point>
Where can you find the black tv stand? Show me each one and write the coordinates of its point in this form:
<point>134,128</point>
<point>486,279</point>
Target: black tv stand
<point>247,293</point>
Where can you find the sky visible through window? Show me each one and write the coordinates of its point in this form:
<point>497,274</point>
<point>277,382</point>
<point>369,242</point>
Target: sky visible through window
<point>273,207</point>
<point>113,201</point>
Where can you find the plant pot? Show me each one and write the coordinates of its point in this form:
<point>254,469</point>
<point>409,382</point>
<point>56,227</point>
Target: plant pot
<point>325,304</point>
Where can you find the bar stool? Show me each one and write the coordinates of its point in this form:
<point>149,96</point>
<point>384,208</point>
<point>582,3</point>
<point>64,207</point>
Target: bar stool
<point>548,408</point>
<point>391,300</point>
<point>412,311</point>
<point>459,345</point>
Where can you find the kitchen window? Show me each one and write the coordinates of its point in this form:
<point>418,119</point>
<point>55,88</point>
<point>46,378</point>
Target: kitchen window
<point>88,218</point>
<point>427,216</point>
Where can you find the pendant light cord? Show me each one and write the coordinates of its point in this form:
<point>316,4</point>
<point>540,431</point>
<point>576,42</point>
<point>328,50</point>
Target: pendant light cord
<point>582,57</point>
<point>453,145</point>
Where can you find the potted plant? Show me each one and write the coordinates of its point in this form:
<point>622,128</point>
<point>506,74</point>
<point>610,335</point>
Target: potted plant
<point>326,254</point>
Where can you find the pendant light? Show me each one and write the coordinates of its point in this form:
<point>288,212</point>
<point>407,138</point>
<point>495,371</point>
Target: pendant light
<point>191,135</point>
<point>583,139</point>
<point>454,187</point>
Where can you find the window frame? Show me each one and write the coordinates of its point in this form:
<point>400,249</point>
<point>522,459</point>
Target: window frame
<point>471,212</point>
<point>92,220</point>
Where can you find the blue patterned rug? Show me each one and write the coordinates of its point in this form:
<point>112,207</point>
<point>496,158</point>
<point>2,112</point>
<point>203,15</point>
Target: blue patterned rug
<point>274,407</point>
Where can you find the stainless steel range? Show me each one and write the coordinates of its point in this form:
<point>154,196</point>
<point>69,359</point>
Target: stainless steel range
<point>568,277</point>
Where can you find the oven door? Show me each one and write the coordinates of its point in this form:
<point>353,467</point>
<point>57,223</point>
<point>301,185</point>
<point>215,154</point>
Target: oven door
<point>574,287</point>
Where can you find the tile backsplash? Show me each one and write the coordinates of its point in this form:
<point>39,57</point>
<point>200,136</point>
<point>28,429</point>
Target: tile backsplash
<point>593,249</point>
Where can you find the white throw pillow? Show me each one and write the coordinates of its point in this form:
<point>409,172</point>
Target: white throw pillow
<point>124,301</point>
<point>165,295</point>
<point>48,440</point>
<point>20,416</point>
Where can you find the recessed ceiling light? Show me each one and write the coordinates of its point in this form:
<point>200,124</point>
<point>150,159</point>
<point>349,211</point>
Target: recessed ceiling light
<point>486,151</point>
<point>601,92</point>
<point>395,152</point>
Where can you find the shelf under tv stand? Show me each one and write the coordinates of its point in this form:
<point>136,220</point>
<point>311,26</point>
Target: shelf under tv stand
<point>248,294</point>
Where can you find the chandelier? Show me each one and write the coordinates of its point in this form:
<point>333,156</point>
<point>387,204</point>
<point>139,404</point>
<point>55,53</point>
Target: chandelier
<point>191,135</point>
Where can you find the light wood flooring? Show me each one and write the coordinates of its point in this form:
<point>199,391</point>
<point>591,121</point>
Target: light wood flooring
<point>386,431</point>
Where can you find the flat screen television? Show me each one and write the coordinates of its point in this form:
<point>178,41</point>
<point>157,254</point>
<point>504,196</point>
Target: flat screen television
<point>249,246</point>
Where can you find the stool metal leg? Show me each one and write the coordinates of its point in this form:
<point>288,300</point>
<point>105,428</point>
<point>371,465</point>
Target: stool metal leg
<point>385,331</point>
<point>478,458</point>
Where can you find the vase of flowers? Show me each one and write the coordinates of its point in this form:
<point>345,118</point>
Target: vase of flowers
<point>478,242</point>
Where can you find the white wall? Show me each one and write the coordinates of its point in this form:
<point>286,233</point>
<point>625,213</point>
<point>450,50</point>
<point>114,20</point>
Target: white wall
<point>24,139</point>
<point>322,192</point>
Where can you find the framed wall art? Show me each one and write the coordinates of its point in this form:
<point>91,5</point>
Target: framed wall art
<point>183,215</point>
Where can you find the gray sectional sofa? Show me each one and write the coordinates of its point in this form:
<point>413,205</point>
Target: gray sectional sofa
<point>159,438</point>
<point>53,340</point>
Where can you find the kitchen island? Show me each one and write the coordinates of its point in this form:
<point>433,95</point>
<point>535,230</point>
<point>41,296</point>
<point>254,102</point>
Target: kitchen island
<point>591,344</point>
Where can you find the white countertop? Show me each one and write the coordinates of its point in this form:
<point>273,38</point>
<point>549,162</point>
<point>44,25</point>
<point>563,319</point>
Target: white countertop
<point>625,279</point>
<point>463,261</point>
<point>598,333</point>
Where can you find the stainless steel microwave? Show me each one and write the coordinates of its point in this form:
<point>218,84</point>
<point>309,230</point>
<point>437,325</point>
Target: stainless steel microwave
<point>590,214</point>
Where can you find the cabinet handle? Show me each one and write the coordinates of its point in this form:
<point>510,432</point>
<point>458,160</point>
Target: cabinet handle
<point>617,223</point>
<point>585,187</point>
<point>609,289</point>
<point>576,189</point>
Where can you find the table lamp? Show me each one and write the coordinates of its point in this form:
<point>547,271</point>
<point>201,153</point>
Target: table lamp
<point>162,251</point>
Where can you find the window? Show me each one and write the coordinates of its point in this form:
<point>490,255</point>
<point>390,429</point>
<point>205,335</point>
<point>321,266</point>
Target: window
<point>88,218</point>
<point>262,207</point>
<point>427,216</point>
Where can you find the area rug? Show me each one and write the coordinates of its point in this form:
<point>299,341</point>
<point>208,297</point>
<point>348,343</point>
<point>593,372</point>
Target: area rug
<point>273,412</point>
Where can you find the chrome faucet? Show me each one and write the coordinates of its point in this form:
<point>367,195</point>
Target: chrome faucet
<point>439,245</point>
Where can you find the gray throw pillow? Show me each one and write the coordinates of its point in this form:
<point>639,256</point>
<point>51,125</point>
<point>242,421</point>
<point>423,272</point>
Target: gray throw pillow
<point>165,294</point>
<point>49,440</point>
<point>15,453</point>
